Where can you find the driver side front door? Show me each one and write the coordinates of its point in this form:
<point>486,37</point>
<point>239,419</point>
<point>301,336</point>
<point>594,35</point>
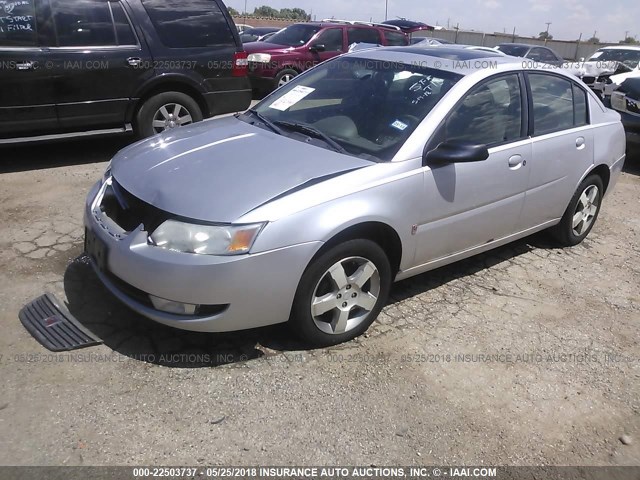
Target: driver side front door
<point>468,205</point>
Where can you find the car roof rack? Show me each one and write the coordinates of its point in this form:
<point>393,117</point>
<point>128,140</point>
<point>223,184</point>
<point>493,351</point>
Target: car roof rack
<point>360,22</point>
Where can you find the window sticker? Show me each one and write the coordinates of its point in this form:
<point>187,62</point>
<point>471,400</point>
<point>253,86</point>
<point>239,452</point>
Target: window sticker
<point>398,125</point>
<point>291,98</point>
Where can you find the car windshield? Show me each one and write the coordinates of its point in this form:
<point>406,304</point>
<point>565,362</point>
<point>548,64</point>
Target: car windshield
<point>513,50</point>
<point>366,108</point>
<point>630,58</point>
<point>295,35</point>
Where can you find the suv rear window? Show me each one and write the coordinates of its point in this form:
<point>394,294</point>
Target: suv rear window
<point>363,35</point>
<point>18,24</point>
<point>396,39</point>
<point>189,23</point>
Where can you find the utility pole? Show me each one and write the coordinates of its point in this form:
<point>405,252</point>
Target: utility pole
<point>245,11</point>
<point>547,35</point>
<point>386,10</point>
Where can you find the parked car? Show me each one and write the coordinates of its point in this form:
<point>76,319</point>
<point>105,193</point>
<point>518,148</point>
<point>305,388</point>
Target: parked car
<point>367,169</point>
<point>535,53</point>
<point>626,100</point>
<point>97,67</point>
<point>409,26</point>
<point>301,46</point>
<point>257,34</point>
<point>241,27</point>
<point>606,62</point>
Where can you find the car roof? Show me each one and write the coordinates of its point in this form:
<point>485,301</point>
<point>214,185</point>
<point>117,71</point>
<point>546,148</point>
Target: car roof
<point>351,25</point>
<point>455,59</point>
<point>530,45</point>
<point>621,47</point>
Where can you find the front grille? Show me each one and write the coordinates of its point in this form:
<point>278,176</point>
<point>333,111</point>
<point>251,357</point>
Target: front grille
<point>128,211</point>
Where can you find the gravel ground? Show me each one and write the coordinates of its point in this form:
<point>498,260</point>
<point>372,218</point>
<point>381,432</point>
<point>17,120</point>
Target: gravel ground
<point>526,355</point>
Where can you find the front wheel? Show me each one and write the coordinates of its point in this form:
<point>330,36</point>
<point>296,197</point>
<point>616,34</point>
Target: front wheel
<point>284,77</point>
<point>341,293</point>
<point>581,214</point>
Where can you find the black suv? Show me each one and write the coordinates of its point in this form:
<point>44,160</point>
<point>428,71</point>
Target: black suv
<point>86,67</point>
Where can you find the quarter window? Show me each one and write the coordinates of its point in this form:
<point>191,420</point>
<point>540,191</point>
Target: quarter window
<point>581,116</point>
<point>189,23</point>
<point>18,24</point>
<point>489,115</point>
<point>553,104</point>
<point>363,35</point>
<point>396,39</point>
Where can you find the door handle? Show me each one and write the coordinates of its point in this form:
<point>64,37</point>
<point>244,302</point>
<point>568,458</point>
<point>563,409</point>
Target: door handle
<point>134,61</point>
<point>580,143</point>
<point>516,161</point>
<point>25,66</point>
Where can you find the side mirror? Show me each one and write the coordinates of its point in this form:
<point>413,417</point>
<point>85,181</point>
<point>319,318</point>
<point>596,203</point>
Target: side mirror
<point>455,152</point>
<point>317,48</point>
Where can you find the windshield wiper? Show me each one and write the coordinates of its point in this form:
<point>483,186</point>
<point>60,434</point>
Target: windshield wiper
<point>313,132</point>
<point>265,120</point>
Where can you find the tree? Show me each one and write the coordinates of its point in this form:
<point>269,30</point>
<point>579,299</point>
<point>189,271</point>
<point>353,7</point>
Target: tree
<point>630,41</point>
<point>593,40</point>
<point>233,12</point>
<point>545,36</point>
<point>266,11</point>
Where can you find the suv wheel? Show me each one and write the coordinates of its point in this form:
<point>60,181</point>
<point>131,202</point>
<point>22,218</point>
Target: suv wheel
<point>284,77</point>
<point>341,293</point>
<point>166,111</point>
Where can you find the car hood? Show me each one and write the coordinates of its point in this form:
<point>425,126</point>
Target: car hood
<point>266,47</point>
<point>218,170</point>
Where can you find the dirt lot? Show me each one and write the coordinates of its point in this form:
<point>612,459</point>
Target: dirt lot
<point>527,355</point>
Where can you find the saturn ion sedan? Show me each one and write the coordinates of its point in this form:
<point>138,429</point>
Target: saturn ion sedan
<point>368,169</point>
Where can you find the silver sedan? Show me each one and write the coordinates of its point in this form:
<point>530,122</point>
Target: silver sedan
<point>368,169</point>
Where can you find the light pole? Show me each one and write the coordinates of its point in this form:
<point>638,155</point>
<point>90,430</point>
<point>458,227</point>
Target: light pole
<point>546,37</point>
<point>245,11</point>
<point>386,10</point>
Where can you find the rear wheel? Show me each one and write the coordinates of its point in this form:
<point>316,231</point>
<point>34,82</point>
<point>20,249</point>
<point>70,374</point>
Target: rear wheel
<point>166,111</point>
<point>581,214</point>
<point>341,293</point>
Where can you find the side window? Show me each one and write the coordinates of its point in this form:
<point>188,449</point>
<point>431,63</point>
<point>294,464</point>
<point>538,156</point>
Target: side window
<point>395,39</point>
<point>581,116</point>
<point>124,31</point>
<point>18,24</point>
<point>547,55</point>
<point>331,39</point>
<point>552,103</point>
<point>490,114</point>
<point>189,23</point>
<point>363,35</point>
<point>81,23</point>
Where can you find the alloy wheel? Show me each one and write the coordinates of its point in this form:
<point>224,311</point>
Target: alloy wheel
<point>586,210</point>
<point>286,78</point>
<point>169,116</point>
<point>345,295</point>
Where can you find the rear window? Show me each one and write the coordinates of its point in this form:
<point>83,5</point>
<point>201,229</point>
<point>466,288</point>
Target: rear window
<point>395,39</point>
<point>17,24</point>
<point>363,35</point>
<point>189,23</point>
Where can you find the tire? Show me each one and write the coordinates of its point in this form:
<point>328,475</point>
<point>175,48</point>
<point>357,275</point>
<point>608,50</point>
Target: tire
<point>284,77</point>
<point>151,110</point>
<point>349,306</point>
<point>587,196</point>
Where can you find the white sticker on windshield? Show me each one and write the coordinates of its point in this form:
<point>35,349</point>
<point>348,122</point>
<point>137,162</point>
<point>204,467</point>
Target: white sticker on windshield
<point>399,125</point>
<point>291,98</point>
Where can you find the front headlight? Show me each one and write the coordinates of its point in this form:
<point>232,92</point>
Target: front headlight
<point>259,57</point>
<point>205,239</point>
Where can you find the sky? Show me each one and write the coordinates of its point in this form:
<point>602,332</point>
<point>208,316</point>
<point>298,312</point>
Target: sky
<point>610,18</point>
